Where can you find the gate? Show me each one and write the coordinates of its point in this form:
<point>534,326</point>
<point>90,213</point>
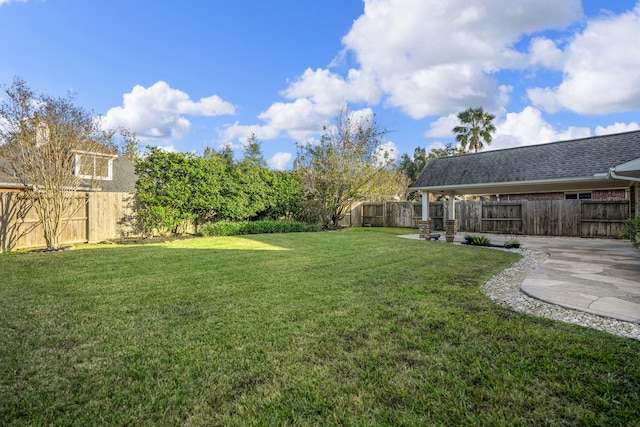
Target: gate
<point>603,218</point>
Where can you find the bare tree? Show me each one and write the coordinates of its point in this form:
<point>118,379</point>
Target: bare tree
<point>347,165</point>
<point>51,145</point>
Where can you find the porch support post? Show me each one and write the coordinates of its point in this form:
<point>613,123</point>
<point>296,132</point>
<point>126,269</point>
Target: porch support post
<point>452,207</point>
<point>635,199</point>
<point>425,226</point>
<point>451,224</point>
<point>425,205</point>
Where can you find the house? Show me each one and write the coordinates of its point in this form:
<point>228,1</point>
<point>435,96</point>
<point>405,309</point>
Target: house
<point>603,167</point>
<point>102,172</point>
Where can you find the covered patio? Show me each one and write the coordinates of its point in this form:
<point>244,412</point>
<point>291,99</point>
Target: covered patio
<point>597,168</point>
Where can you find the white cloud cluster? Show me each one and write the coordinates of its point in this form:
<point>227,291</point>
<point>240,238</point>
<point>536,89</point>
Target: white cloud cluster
<point>528,127</point>
<point>600,68</point>
<point>430,58</point>
<point>617,128</point>
<point>433,57</point>
<point>424,57</point>
<point>158,112</point>
<point>316,97</point>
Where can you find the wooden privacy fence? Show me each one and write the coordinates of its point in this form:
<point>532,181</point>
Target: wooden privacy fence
<point>95,217</point>
<point>576,218</point>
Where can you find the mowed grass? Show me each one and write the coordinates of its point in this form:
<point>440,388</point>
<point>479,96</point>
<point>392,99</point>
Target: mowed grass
<point>347,328</point>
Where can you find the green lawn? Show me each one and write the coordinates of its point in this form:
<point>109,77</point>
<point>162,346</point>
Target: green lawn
<point>346,328</point>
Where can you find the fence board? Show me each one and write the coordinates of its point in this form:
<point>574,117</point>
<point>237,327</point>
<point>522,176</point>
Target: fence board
<point>400,214</point>
<point>373,214</point>
<point>437,214</point>
<point>469,216</point>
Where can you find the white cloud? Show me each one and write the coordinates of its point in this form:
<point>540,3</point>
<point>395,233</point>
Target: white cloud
<point>600,69</point>
<point>617,128</point>
<point>546,98</point>
<point>528,128</point>
<point>328,89</point>
<point>158,112</point>
<point>240,133</point>
<point>442,127</point>
<point>168,148</point>
<point>279,161</point>
<point>544,52</point>
<point>12,1</point>
<point>297,118</point>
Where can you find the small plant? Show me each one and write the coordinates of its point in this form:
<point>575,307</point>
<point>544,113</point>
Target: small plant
<point>477,240</point>
<point>512,242</point>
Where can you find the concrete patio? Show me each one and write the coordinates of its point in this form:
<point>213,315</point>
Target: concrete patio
<point>598,276</point>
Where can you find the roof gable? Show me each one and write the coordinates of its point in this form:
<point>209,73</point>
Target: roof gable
<point>557,161</point>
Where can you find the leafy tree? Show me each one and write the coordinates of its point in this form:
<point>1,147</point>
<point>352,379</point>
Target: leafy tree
<point>122,141</point>
<point>413,165</point>
<point>475,129</point>
<point>129,146</point>
<point>284,199</point>
<point>177,188</point>
<point>243,188</point>
<point>253,152</point>
<point>346,166</point>
<point>448,150</point>
<point>41,137</point>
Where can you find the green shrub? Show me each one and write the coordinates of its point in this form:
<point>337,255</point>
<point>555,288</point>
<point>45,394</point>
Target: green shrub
<point>632,231</point>
<point>227,228</point>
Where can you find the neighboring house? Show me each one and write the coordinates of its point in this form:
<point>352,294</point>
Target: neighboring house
<point>599,168</point>
<point>103,172</point>
<point>107,186</point>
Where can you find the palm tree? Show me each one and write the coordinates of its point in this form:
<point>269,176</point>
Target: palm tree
<point>476,127</point>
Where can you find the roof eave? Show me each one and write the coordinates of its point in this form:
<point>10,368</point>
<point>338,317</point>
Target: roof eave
<point>600,180</point>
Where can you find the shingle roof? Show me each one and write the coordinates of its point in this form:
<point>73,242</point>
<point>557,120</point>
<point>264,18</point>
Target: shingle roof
<point>124,177</point>
<point>6,173</point>
<point>556,161</point>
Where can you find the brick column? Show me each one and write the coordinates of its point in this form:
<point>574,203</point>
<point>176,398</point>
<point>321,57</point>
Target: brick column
<point>425,227</point>
<point>451,228</point>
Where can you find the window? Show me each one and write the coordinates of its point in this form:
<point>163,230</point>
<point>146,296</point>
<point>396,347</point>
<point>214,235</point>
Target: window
<point>577,196</point>
<point>94,166</point>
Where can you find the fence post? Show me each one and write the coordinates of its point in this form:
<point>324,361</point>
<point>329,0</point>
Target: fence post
<point>87,221</point>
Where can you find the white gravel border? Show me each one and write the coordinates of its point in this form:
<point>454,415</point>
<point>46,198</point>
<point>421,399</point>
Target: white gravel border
<point>504,290</point>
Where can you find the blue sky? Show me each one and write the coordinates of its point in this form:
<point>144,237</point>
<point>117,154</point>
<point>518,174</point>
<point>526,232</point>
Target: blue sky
<point>194,74</point>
